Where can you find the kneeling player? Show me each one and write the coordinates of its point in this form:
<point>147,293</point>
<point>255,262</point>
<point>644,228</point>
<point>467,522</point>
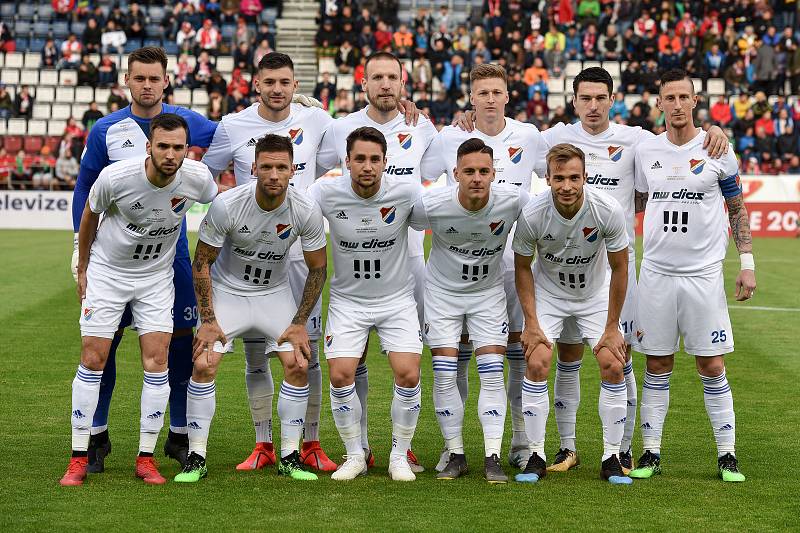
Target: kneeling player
<point>250,230</point>
<point>464,285</point>
<point>128,260</point>
<point>371,288</point>
<point>569,229</point>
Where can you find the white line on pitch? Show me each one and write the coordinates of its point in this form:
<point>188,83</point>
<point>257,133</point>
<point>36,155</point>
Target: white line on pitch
<point>761,308</point>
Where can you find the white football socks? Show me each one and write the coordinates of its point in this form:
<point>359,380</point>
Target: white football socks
<point>311,429</point>
<point>464,356</point>
<point>630,414</point>
<point>719,406</point>
<point>492,401</point>
<point>406,405</point>
<point>346,409</point>
<point>566,399</point>
<point>535,409</point>
<point>292,405</point>
<point>201,403</point>
<point>85,394</point>
<point>653,409</point>
<point>448,403</point>
<point>516,371</point>
<point>362,390</point>
<point>155,396</point>
<point>260,387</point>
<point>611,407</point>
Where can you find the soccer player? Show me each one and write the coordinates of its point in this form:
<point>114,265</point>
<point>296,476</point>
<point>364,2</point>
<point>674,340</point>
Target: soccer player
<point>371,287</point>
<point>518,152</point>
<point>570,229</point>
<point>235,139</point>
<point>127,260</point>
<point>241,279</point>
<point>119,136</point>
<point>681,288</point>
<point>610,149</point>
<point>470,221</point>
<point>406,144</point>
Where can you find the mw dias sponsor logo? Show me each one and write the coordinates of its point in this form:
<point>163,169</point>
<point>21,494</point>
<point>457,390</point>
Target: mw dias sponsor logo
<point>284,230</point>
<point>392,170</point>
<point>158,232</point>
<point>497,227</point>
<point>405,140</point>
<point>614,153</point>
<point>590,234</point>
<point>387,214</point>
<point>683,194</point>
<point>696,165</point>
<point>372,244</point>
<point>87,313</point>
<point>598,179</point>
<point>515,154</point>
<point>178,203</point>
<point>296,136</point>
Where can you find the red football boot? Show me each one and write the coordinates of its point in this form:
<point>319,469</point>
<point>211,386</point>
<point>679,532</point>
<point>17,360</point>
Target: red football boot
<point>413,462</point>
<point>312,454</point>
<point>147,470</point>
<point>76,472</point>
<point>263,455</point>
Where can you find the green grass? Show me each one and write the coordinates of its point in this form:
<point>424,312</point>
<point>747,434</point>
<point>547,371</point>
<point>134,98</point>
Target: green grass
<point>40,351</point>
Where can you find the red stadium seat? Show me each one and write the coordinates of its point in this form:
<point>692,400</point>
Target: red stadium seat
<point>54,142</point>
<point>12,143</point>
<point>33,144</point>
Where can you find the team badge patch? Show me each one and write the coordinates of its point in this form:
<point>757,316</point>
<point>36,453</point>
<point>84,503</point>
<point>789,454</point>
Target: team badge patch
<point>696,165</point>
<point>515,154</point>
<point>296,136</point>
<point>87,313</point>
<point>387,214</point>
<point>178,203</point>
<point>284,230</point>
<point>590,234</point>
<point>497,227</point>
<point>405,140</point>
<point>614,153</point>
<point>639,335</point>
<point>328,340</point>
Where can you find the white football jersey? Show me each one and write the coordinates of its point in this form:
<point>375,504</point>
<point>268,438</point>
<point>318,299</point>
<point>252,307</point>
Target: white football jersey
<point>405,146</point>
<point>468,246</point>
<point>610,161</point>
<point>237,134</point>
<point>141,223</point>
<point>571,262</point>
<point>255,243</point>
<point>519,151</point>
<point>368,239</point>
<point>685,224</point>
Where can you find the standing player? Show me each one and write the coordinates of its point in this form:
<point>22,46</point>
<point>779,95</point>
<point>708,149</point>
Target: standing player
<point>464,285</point>
<point>119,136</point>
<point>128,261</point>
<point>406,144</point>
<point>371,288</point>
<point>610,153</point>
<point>235,140</point>
<point>681,288</point>
<point>518,152</point>
<point>570,230</point>
<point>241,278</point>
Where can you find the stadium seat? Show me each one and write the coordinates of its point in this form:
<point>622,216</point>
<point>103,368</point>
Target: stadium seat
<point>35,46</point>
<point>631,100</point>
<point>3,130</point>
<point>9,76</point>
<point>61,112</point>
<point>68,77</point>
<point>22,28</point>
<point>573,68</point>
<point>94,58</point>
<point>41,110</point>
<point>77,27</point>
<point>171,48</point>
<point>182,97</point>
<point>45,12</point>
<point>29,77</point>
<point>17,126</point>
<point>48,77</point>
<point>591,64</point>
<point>199,97</point>
<point>345,81</point>
<point>555,100</point>
<point>25,11</point>
<point>78,110</point>
<point>698,85</point>
<point>225,64</point>
<point>65,94</point>
<point>12,143</point>
<point>192,61</point>
<point>716,86</point>
<point>60,29</point>
<point>7,11</point>
<point>45,94</point>
<point>555,85</point>
<point>33,60</point>
<point>101,95</point>
<point>14,60</point>
<point>52,141</point>
<point>56,127</point>
<point>202,110</point>
<point>612,67</point>
<point>32,144</point>
<point>37,127</point>
<point>41,29</point>
<point>327,64</point>
<point>156,13</point>
<point>84,95</point>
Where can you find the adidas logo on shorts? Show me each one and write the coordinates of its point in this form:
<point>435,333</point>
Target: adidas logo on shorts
<point>127,144</point>
<point>341,215</point>
<point>451,230</point>
<point>548,237</point>
<point>251,142</point>
<point>137,206</point>
<point>244,229</point>
<point>655,166</point>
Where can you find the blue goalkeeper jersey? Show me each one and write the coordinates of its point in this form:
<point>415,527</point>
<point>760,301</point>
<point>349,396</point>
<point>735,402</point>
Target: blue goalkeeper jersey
<point>122,135</point>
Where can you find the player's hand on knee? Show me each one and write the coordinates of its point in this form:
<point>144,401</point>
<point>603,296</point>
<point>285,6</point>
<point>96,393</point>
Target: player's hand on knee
<point>531,338</point>
<point>612,340</point>
<point>466,121</point>
<point>208,333</point>
<point>745,285</point>
<point>74,262</point>
<point>297,336</point>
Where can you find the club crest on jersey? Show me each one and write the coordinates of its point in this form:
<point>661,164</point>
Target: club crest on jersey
<point>387,214</point>
<point>590,234</point>
<point>87,313</point>
<point>284,230</point>
<point>515,154</point>
<point>696,165</point>
<point>296,136</point>
<point>328,340</point>
<point>639,335</point>
<point>405,140</point>
<point>497,227</point>
<point>178,203</point>
<point>614,153</point>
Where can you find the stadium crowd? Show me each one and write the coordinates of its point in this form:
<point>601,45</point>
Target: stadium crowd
<point>752,45</point>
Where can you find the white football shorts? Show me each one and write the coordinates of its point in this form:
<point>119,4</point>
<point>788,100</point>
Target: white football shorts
<point>589,315</point>
<point>482,316</point>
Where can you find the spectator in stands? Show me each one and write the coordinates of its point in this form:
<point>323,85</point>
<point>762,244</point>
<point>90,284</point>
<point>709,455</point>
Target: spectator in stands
<point>236,101</point>
<point>182,74</point>
<point>202,70</point>
<point>19,173</point>
<point>49,54</point>
<point>765,67</point>
<point>383,37</point>
<point>347,33</point>
<point>23,103</point>
<point>113,39</point>
<point>242,33</point>
<point>6,104</point>
<point>346,58</point>
<point>324,83</point>
<point>265,35</point>
<point>497,43</point>
<point>243,57</point>
<point>574,44</point>
<point>261,50</point>
<point>668,60</point>
<point>451,75</point>
<point>423,20</point>
<point>556,61</point>
<point>326,39</point>
<point>185,37</point>
<point>786,143</point>
<point>421,43</point>
<point>444,18</point>
<point>42,169</point>
<point>618,108</point>
<point>536,77</point>
<point>588,11</point>
<point>250,10</point>
<point>106,71</point>
<point>209,37</point>
<point>745,143</point>
<point>212,9</point>
<point>217,106</point>
<point>343,103</point>
<point>442,109</point>
<point>91,116</point>
<point>536,101</point>
<point>87,72</point>
<point>609,45</point>
<point>239,82</point>
<point>366,40</point>
<point>403,41</point>
<point>217,84</point>
<point>760,105</point>
<point>793,166</point>
<point>736,78</point>
<point>117,97</point>
<point>6,167</point>
<point>326,99</point>
<point>62,8</point>
<point>462,42</point>
<point>70,52</point>
<point>118,16</point>
<point>714,61</point>
<point>358,74</point>
<point>766,123</point>
<point>7,42</point>
<point>66,172</point>
<point>721,112</point>
<point>134,28</point>
<point>480,50</point>
<point>92,35</point>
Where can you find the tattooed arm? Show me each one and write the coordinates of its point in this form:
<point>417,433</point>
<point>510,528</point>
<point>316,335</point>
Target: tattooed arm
<point>740,227</point>
<point>639,201</point>
<point>209,331</point>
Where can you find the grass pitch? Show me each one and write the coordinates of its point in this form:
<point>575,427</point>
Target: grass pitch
<point>40,351</point>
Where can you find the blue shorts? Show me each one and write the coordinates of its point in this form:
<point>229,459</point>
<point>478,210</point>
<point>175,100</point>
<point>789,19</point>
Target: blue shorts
<point>184,308</point>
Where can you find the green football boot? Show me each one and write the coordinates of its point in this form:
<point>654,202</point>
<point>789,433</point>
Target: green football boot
<point>649,465</point>
<point>729,469</point>
<point>194,471</point>
<point>292,467</point>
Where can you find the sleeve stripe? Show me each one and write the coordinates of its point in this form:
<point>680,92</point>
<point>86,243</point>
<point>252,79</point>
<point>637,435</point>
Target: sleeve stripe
<point>730,186</point>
